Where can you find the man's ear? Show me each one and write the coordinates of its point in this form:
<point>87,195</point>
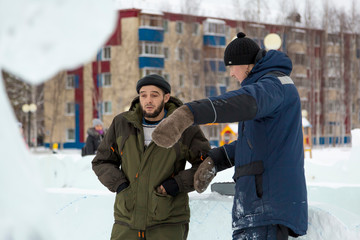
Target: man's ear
<point>166,97</point>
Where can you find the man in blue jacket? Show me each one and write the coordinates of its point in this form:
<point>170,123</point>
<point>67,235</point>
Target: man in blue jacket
<point>270,199</point>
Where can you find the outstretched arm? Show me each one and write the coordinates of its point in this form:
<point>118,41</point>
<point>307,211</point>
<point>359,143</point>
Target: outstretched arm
<point>253,101</point>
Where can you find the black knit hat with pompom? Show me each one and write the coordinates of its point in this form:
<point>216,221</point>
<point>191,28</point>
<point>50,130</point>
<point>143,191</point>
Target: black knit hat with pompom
<point>241,51</point>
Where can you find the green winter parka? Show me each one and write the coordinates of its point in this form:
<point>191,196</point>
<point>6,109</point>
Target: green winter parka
<point>122,157</point>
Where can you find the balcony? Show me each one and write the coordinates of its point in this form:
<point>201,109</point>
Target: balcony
<point>151,62</point>
<point>214,41</point>
<point>151,34</point>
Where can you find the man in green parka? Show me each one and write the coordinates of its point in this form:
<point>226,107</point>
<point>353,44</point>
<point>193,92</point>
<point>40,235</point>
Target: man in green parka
<point>150,181</point>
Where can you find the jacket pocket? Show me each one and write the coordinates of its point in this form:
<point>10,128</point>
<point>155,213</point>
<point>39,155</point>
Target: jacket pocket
<point>254,168</point>
<point>161,206</point>
<point>125,202</point>
<point>249,189</point>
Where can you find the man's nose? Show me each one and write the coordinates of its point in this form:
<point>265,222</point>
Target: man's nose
<point>148,100</point>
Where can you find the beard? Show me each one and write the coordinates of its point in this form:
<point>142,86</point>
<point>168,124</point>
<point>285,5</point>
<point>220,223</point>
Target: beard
<point>155,113</point>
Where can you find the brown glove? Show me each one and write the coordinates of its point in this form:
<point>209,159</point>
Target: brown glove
<point>204,175</point>
<point>169,130</point>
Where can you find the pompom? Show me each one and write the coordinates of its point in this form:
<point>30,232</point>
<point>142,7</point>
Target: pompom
<point>241,35</point>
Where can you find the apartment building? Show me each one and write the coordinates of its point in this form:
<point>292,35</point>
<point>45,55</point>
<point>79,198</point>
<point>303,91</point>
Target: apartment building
<point>188,51</point>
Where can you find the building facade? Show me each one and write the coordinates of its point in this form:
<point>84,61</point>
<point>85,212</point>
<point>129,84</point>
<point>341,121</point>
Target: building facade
<point>188,51</point>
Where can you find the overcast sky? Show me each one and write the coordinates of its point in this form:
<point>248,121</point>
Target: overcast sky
<point>270,10</point>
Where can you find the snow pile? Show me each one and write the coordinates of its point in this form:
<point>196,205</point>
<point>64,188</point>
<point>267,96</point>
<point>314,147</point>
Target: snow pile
<point>37,39</point>
<point>355,142</point>
<point>355,138</point>
<point>76,194</point>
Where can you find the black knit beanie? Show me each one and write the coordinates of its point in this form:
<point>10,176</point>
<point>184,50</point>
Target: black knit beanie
<point>241,51</point>
<point>156,80</point>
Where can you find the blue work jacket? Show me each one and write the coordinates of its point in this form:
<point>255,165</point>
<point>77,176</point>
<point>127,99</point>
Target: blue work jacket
<point>268,155</point>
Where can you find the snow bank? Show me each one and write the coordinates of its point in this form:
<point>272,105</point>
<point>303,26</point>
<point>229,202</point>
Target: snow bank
<point>37,39</point>
<point>355,138</point>
<point>333,191</point>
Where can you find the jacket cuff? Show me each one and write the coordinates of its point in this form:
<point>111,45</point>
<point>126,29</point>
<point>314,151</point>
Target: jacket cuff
<point>203,111</point>
<point>220,159</point>
<point>122,187</point>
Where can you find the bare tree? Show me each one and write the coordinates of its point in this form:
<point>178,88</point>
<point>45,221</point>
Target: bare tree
<point>54,96</point>
<point>18,92</point>
<point>21,93</point>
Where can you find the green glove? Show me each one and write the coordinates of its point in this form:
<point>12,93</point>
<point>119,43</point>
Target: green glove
<point>204,175</point>
<point>170,129</point>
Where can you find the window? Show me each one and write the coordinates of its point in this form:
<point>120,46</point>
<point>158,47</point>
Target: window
<point>299,58</point>
<point>148,71</point>
<point>334,39</point>
<point>70,135</point>
<point>195,29</point>
<point>106,53</point>
<point>228,31</point>
<point>166,53</point>
<point>222,88</point>
<point>301,81</point>
<point>107,107</point>
<point>70,81</point>
<point>152,21</point>
<point>196,55</point>
<point>227,81</point>
<point>179,27</point>
<point>305,104</point>
<point>299,36</point>
<point>357,46</point>
<point>215,28</point>
<point>166,25</point>
<point>181,80</point>
<point>180,52</point>
<point>213,131</point>
<point>210,91</point>
<point>70,108</point>
<point>196,80</point>
<point>333,83</point>
<point>333,62</point>
<point>256,31</point>
<point>317,39</point>
<point>150,48</point>
<point>106,79</point>
<point>333,106</point>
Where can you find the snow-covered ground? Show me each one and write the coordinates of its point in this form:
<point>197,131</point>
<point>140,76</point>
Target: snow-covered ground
<point>84,208</point>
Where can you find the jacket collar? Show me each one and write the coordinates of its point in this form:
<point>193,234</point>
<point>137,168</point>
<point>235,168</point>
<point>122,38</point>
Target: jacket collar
<point>272,61</point>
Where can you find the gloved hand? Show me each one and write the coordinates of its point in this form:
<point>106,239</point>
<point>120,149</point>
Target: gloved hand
<point>169,186</point>
<point>204,175</point>
<point>169,130</point>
